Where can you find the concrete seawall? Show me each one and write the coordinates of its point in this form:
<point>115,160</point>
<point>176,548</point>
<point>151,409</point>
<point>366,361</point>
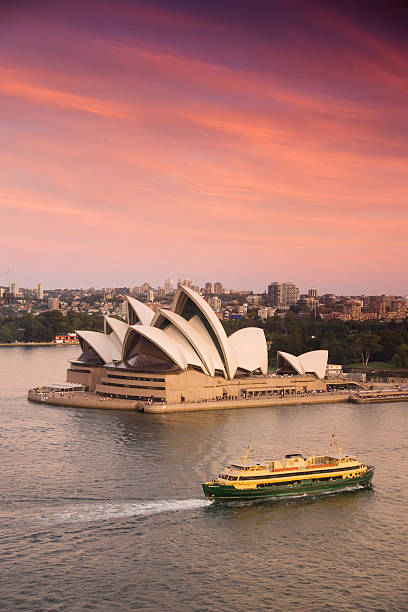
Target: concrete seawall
<point>266,402</point>
<point>82,400</point>
<point>92,401</point>
<point>23,344</point>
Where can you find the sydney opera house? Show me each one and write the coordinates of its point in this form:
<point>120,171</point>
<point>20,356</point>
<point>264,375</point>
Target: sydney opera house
<point>184,355</point>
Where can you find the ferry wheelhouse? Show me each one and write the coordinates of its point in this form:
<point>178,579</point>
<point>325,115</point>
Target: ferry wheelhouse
<point>293,476</point>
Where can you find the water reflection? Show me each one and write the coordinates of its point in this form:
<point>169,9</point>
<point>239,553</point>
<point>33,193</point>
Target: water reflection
<point>101,507</point>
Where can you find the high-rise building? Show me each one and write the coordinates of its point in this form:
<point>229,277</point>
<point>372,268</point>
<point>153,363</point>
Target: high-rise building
<point>312,293</point>
<point>264,312</point>
<point>187,282</point>
<point>218,288</point>
<point>215,303</point>
<point>282,294</point>
<point>145,287</point>
<point>168,286</point>
<point>40,292</point>
<point>254,300</point>
<point>354,308</point>
<point>53,303</point>
<point>209,288</point>
<point>14,289</point>
<point>161,292</point>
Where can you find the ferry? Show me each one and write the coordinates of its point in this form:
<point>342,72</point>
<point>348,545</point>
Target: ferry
<point>383,395</point>
<point>296,475</point>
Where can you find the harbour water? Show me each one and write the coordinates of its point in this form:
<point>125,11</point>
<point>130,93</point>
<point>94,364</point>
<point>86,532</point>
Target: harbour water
<point>103,510</point>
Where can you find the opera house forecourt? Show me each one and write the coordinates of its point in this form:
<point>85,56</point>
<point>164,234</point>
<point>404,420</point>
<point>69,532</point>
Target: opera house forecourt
<point>179,357</point>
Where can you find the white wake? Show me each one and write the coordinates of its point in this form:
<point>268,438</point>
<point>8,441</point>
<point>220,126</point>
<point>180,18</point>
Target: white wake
<point>106,511</point>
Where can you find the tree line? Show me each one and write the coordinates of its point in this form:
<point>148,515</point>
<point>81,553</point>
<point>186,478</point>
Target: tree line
<point>348,342</point>
<point>45,326</point>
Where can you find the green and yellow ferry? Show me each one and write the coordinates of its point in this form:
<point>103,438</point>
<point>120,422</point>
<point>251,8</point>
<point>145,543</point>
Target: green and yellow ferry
<point>294,476</point>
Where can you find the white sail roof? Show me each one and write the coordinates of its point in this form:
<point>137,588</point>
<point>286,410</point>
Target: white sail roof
<point>118,327</point>
<point>101,344</point>
<point>189,335</point>
<point>215,358</point>
<point>292,361</point>
<point>143,313</point>
<point>196,339</point>
<point>312,362</point>
<point>185,347</point>
<point>117,335</point>
<point>315,362</point>
<point>161,339</point>
<point>209,318</point>
<point>250,348</point>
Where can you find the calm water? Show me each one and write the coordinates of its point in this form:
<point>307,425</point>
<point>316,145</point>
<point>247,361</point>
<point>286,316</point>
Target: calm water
<point>103,510</point>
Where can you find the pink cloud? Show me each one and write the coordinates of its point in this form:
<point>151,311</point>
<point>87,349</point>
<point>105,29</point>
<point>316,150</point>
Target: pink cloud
<point>168,154</point>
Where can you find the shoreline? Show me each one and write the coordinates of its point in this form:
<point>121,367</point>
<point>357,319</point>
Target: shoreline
<point>87,399</point>
<point>38,344</point>
<point>265,402</point>
<point>76,399</point>
<point>90,400</point>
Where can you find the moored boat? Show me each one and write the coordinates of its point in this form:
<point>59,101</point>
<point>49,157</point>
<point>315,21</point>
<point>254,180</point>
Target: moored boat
<point>295,475</point>
<point>374,396</point>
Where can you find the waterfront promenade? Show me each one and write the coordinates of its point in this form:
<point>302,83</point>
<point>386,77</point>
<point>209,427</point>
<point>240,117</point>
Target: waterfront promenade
<point>91,400</point>
<point>77,399</point>
<point>23,344</point>
<point>262,402</point>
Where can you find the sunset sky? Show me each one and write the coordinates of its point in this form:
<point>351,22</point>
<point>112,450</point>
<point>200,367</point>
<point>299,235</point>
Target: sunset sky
<point>245,142</point>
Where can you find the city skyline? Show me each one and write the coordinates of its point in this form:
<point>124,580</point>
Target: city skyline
<point>231,142</point>
<point>283,292</point>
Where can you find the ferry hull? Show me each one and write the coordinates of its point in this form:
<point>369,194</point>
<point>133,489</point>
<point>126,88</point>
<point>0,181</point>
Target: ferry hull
<point>229,492</point>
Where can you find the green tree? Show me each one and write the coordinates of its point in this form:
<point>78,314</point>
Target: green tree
<point>367,343</point>
<point>401,357</point>
<point>6,337</point>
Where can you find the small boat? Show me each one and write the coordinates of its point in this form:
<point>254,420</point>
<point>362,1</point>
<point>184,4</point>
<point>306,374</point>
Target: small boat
<point>295,475</point>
